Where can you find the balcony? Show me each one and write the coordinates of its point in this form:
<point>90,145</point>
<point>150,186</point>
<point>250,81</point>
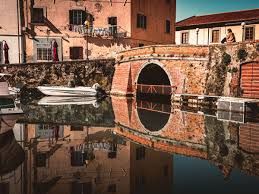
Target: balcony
<point>104,32</point>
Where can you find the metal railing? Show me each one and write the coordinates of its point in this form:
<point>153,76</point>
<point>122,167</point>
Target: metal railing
<point>110,31</point>
<point>154,107</point>
<point>155,89</point>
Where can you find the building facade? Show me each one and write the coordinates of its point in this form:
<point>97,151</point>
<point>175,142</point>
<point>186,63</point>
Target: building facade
<point>78,29</point>
<point>10,31</point>
<point>211,29</point>
<point>110,165</point>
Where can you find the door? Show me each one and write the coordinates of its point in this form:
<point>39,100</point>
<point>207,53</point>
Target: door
<point>250,80</point>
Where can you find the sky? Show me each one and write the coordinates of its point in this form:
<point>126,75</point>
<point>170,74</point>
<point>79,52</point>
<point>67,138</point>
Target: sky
<point>188,8</point>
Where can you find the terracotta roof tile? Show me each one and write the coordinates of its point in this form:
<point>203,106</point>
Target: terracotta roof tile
<point>237,16</point>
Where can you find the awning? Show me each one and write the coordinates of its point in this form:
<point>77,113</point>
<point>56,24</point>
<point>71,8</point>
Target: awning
<point>11,153</point>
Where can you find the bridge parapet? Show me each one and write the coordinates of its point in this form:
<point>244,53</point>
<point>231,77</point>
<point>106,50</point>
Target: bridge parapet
<point>169,52</point>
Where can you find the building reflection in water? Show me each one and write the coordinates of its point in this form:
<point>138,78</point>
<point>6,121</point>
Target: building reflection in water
<point>132,150</point>
<point>227,144</point>
<point>81,159</point>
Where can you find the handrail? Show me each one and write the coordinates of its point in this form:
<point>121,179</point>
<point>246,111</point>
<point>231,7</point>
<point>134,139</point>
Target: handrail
<point>156,89</point>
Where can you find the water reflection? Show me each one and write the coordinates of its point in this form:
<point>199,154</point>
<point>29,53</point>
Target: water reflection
<point>128,146</point>
<point>11,153</point>
<point>153,116</point>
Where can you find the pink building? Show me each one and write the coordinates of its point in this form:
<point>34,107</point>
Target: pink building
<point>112,26</point>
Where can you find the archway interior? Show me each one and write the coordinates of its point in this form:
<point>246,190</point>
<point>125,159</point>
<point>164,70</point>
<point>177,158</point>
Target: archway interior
<point>153,74</point>
<point>153,121</point>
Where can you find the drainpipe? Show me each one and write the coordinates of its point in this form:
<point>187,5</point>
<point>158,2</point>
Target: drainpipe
<point>18,30</point>
<point>208,36</point>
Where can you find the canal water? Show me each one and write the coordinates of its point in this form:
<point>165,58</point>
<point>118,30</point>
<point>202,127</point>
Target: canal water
<point>127,146</point>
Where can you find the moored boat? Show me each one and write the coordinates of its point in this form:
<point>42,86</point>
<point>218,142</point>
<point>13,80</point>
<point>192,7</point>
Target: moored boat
<point>67,100</point>
<point>69,91</point>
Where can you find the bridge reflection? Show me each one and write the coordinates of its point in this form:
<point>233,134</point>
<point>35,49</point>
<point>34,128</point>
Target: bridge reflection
<point>192,133</point>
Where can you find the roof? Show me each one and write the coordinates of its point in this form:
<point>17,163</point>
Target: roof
<point>219,18</point>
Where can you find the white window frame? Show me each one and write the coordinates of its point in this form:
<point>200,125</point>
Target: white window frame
<point>181,37</point>
<point>44,46</point>
<point>211,35</point>
<point>249,26</point>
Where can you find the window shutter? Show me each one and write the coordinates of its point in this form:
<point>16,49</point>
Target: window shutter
<point>80,52</point>
<point>109,20</point>
<point>85,16</point>
<point>145,22</point>
<point>71,52</point>
<point>1,52</point>
<point>138,20</point>
<point>70,16</point>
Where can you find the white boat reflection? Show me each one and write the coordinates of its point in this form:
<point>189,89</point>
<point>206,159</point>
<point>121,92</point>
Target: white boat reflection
<point>65,100</point>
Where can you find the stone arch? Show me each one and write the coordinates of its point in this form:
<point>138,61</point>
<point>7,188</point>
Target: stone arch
<point>165,123</point>
<point>157,63</point>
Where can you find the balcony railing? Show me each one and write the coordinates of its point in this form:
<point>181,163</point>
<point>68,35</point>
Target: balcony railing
<point>111,31</point>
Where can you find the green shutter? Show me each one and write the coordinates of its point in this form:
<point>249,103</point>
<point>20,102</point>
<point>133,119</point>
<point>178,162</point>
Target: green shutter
<point>70,16</point>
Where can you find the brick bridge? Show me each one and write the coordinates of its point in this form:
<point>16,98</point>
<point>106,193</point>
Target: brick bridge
<point>187,133</point>
<point>222,70</point>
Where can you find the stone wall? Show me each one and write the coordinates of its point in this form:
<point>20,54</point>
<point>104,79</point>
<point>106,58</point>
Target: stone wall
<point>84,73</point>
<point>224,69</point>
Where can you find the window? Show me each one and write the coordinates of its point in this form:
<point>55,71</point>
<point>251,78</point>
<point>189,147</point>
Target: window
<point>140,183</point>
<point>112,21</point>
<point>4,188</point>
<point>185,38</point>
<point>41,159</point>
<point>77,128</point>
<point>141,21</point>
<point>140,153</point>
<point>249,33</point>
<point>44,52</point>
<point>111,188</point>
<point>81,188</point>
<point>37,15</point>
<point>215,36</point>
<point>167,26</point>
<point>77,17</point>
<point>1,52</point>
<point>78,158</point>
<point>76,52</point>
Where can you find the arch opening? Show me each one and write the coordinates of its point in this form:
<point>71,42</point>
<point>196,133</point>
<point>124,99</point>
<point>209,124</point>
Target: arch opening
<point>151,120</point>
<point>153,84</point>
<point>153,74</point>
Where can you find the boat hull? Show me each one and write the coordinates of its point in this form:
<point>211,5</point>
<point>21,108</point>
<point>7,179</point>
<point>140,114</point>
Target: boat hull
<point>66,100</point>
<point>66,91</point>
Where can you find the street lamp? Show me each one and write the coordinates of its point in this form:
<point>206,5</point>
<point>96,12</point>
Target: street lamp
<point>197,34</point>
<point>243,31</point>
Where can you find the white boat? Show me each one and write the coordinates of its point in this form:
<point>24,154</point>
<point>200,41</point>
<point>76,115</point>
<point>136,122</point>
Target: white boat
<point>66,100</point>
<point>69,91</point>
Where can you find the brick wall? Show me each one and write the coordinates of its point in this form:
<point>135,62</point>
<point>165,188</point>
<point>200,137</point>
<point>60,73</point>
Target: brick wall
<point>210,70</point>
